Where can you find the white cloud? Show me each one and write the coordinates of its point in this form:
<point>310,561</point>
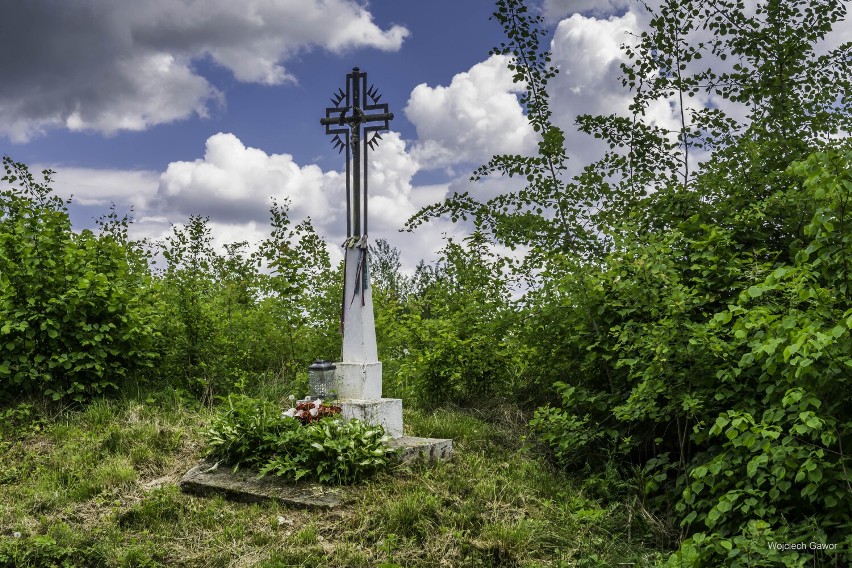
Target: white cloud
<point>588,53</point>
<point>235,183</point>
<point>555,10</point>
<point>476,116</point>
<point>100,187</point>
<point>110,65</point>
<point>390,172</point>
<point>252,38</point>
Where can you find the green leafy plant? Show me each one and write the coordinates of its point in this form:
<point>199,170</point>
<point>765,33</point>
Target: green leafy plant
<point>330,451</point>
<point>254,433</point>
<point>76,316</point>
<point>245,431</point>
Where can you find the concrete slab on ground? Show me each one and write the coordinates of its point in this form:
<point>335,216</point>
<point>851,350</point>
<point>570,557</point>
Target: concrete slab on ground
<point>244,486</point>
<point>207,480</point>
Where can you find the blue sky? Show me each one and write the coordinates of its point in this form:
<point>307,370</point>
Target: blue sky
<point>212,107</point>
<point>57,111</point>
<point>444,37</point>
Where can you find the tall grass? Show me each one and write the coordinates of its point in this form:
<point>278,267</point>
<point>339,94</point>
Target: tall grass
<point>98,487</point>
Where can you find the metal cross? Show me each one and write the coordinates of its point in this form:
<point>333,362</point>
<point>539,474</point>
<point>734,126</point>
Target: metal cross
<point>347,119</point>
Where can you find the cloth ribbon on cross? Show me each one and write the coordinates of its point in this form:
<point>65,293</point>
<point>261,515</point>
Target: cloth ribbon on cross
<point>362,273</point>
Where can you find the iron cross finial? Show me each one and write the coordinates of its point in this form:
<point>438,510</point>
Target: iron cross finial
<point>350,118</point>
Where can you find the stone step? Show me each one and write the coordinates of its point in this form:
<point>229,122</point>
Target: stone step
<point>429,449</point>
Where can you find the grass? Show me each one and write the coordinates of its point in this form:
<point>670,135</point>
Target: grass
<point>98,487</point>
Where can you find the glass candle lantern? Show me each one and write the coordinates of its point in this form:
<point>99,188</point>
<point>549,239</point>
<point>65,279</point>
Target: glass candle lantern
<point>321,379</point>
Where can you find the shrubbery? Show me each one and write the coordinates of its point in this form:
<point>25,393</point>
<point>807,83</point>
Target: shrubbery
<point>75,317</point>
<point>446,337</point>
<point>231,319</point>
<point>690,326</point>
<point>726,396</point>
<point>81,312</point>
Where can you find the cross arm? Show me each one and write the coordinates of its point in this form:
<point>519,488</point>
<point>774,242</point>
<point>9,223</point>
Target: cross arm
<point>340,120</point>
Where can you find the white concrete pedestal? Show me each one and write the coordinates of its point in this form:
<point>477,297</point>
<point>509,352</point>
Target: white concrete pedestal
<point>358,377</point>
<point>359,324</point>
<point>358,380</point>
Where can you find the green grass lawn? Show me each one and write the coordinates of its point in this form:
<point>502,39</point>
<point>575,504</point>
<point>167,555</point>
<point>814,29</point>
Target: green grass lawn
<point>98,487</point>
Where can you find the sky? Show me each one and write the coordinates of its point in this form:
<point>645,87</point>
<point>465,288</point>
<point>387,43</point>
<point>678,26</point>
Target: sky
<point>212,107</point>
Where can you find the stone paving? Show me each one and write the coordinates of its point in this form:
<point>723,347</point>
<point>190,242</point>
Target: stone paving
<point>244,486</point>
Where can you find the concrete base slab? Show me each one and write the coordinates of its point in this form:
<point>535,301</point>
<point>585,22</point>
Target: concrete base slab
<point>384,411</point>
<point>429,449</point>
<point>207,480</point>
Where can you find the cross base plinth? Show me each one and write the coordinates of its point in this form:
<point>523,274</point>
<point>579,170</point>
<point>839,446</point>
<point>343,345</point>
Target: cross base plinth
<point>358,380</point>
<point>385,412</point>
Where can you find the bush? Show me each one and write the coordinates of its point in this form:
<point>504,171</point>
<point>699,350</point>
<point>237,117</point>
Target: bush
<point>719,368</point>
<point>230,319</point>
<point>450,338</point>
<point>75,317</point>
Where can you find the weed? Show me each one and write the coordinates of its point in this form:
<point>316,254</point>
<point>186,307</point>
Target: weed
<point>306,536</point>
<point>413,515</point>
<point>160,508</point>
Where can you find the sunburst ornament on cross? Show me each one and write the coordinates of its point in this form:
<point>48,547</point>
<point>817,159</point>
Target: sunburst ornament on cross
<point>350,118</point>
